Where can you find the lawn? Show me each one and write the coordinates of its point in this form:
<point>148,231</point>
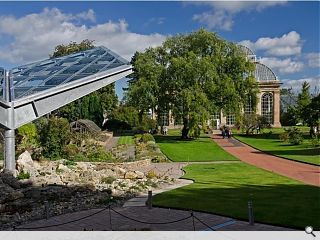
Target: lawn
<point>271,144</point>
<point>202,149</point>
<point>125,140</point>
<point>225,189</point>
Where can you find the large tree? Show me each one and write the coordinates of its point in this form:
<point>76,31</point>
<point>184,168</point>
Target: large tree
<point>192,76</point>
<point>304,99</point>
<point>93,106</point>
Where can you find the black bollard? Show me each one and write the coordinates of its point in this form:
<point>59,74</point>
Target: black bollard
<point>250,213</point>
<point>149,201</point>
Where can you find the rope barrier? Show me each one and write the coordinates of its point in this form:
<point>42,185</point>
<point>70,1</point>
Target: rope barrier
<point>139,221</point>
<point>60,224</point>
<point>124,216</point>
<point>204,224</point>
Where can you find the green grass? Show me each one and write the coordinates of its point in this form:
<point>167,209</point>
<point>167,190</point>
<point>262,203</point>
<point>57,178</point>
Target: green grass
<point>125,140</point>
<point>273,145</point>
<point>203,149</point>
<point>225,189</point>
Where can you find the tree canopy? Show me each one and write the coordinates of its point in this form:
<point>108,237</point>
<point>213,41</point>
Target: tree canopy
<point>193,76</point>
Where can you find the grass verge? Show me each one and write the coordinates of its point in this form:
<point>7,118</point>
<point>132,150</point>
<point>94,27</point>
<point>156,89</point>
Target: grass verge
<point>273,145</point>
<point>202,149</point>
<point>125,140</point>
<point>225,189</point>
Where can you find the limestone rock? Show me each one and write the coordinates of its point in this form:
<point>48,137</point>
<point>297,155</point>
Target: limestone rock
<point>140,175</point>
<point>27,165</point>
<point>119,171</point>
<point>130,175</point>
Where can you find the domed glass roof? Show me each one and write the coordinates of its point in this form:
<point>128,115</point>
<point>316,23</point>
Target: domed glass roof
<point>246,50</point>
<point>264,73</point>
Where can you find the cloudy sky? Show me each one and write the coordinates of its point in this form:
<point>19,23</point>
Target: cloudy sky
<point>285,35</point>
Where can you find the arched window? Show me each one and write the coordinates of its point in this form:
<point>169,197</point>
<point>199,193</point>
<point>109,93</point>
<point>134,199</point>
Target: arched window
<point>267,106</point>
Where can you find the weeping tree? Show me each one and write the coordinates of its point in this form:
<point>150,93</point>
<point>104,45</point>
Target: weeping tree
<point>192,76</point>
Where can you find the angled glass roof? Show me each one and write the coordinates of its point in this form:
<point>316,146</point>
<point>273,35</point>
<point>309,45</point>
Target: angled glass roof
<point>31,78</point>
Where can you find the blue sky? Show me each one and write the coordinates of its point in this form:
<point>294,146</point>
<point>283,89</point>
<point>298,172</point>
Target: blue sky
<point>285,35</point>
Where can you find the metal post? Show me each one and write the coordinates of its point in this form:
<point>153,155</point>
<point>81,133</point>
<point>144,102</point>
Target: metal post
<point>250,213</point>
<point>9,142</point>
<point>47,209</point>
<point>149,199</point>
<point>9,136</point>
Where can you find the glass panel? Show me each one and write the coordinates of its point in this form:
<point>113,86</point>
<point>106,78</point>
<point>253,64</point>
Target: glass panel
<point>231,119</point>
<point>267,107</point>
<point>33,77</point>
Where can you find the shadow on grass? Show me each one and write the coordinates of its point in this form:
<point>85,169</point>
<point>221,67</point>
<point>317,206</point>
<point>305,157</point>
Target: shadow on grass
<point>292,205</point>
<point>178,139</point>
<point>302,152</point>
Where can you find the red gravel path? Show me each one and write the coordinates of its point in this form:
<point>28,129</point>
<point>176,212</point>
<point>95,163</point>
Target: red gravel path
<point>306,173</point>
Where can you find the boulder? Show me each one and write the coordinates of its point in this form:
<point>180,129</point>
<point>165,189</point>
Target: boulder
<point>8,179</point>
<point>14,196</point>
<point>140,175</point>
<point>130,175</point>
<point>119,171</point>
<point>27,165</point>
<point>85,166</point>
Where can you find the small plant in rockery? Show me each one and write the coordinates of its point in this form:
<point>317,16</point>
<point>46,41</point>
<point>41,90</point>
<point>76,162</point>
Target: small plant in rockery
<point>150,183</point>
<point>69,151</point>
<point>158,159</point>
<point>151,174</point>
<point>96,153</point>
<point>69,163</point>
<point>23,175</point>
<point>137,137</point>
<point>108,180</point>
<point>152,146</point>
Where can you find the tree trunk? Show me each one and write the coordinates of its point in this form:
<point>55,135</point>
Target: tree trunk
<point>185,130</point>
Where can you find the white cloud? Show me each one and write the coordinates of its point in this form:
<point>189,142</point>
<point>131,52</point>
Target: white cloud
<point>36,35</point>
<point>283,65</point>
<point>158,21</point>
<point>296,84</point>
<point>313,60</point>
<point>90,15</point>
<point>286,45</point>
<point>222,12</point>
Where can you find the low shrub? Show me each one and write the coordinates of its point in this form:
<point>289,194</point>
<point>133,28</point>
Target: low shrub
<point>69,151</point>
<point>315,141</point>
<point>147,137</point>
<point>69,163</point>
<point>284,137</point>
<point>295,136</point>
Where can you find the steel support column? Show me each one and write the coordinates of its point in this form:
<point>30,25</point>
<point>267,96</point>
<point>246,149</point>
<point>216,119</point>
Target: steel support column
<point>9,142</point>
<point>9,136</point>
